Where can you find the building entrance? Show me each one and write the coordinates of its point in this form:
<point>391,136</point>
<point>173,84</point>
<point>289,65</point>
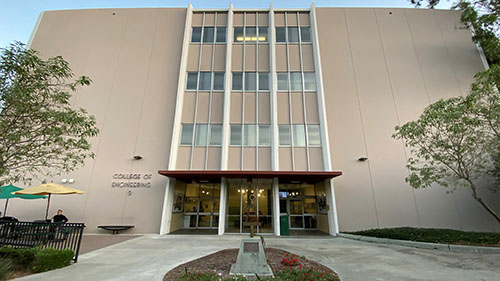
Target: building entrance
<point>201,206</point>
<point>299,203</point>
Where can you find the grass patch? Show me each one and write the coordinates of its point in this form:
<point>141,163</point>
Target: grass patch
<point>433,235</point>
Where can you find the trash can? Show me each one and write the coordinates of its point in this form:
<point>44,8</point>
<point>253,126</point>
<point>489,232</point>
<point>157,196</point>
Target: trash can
<point>284,225</point>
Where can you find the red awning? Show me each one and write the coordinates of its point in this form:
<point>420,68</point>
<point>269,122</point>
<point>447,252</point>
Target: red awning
<point>283,176</point>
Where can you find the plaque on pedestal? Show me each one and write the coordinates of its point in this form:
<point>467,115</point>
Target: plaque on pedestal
<point>251,259</point>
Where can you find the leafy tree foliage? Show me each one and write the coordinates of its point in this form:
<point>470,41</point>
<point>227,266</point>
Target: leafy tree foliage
<point>41,135</point>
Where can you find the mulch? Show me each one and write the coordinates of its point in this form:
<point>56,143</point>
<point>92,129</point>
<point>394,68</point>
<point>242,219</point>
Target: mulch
<point>221,261</point>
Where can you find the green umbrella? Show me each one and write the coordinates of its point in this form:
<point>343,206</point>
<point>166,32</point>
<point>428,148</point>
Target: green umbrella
<point>6,193</point>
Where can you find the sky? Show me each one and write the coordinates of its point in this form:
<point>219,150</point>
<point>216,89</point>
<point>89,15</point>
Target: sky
<point>18,17</point>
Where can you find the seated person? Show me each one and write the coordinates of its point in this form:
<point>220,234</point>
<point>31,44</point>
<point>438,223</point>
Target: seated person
<point>59,218</point>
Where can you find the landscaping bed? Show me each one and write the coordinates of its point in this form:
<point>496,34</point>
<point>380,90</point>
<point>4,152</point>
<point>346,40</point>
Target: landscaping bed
<point>284,264</point>
<point>433,235</point>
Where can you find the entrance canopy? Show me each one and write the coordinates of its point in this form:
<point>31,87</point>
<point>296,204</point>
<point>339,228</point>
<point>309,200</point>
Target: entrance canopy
<point>283,176</point>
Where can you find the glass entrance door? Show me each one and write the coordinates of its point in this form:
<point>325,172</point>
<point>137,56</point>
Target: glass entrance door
<point>201,206</point>
<point>298,201</point>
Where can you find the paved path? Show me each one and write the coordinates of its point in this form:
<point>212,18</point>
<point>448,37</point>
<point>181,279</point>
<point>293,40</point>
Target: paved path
<point>151,256</point>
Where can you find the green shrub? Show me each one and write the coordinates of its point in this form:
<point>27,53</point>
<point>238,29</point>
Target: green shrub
<point>303,275</point>
<point>5,267</point>
<point>21,259</point>
<point>48,259</point>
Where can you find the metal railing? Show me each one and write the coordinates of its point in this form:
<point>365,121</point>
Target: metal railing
<point>43,235</point>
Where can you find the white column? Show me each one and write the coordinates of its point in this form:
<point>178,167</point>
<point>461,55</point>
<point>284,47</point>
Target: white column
<point>168,202</point>
<point>222,205</point>
<point>273,95</point>
<point>227,91</point>
<point>333,222</point>
<point>276,206</point>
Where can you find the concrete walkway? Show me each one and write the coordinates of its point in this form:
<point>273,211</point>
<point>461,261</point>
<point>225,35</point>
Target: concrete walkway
<point>151,256</point>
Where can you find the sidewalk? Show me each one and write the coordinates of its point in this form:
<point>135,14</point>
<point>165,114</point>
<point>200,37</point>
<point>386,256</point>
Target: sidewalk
<point>151,256</point>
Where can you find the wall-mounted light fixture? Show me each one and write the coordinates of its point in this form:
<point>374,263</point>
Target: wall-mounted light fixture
<point>64,180</point>
<point>362,158</point>
<point>71,180</point>
<point>137,157</point>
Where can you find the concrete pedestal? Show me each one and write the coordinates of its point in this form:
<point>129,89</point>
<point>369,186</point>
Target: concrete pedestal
<point>251,259</point>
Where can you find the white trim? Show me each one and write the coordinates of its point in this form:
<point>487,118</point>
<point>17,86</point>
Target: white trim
<point>273,93</point>
<point>169,189</point>
<point>332,211</point>
<point>276,207</point>
<point>222,206</point>
<point>35,29</point>
<point>227,91</point>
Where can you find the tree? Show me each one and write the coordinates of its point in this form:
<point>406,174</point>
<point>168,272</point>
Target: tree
<point>456,141</point>
<point>41,135</point>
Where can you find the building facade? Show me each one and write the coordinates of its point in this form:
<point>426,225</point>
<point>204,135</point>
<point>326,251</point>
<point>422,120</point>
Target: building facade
<point>281,118</point>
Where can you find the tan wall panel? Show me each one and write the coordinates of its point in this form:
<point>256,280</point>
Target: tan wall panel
<point>237,59</point>
<point>283,109</point>
<point>220,58</point>
<point>214,154</point>
<point>250,108</point>
<point>294,57</point>
<point>297,109</point>
<point>203,107</point>
<point>250,57</point>
<point>238,19</point>
<point>193,57</point>
<point>206,58</point>
<point>183,157</point>
<point>312,108</point>
<point>281,60</point>
<point>264,159</point>
<point>323,223</point>
<point>291,19</point>
<point>250,19</point>
<point>188,107</point>
<point>176,222</point>
<point>264,58</point>
<point>234,159</point>
<point>221,19</point>
<point>209,19</point>
<point>198,158</point>
<point>217,108</point>
<point>249,161</point>
<point>236,107</point>
<point>300,158</point>
<point>307,58</point>
<point>263,19</point>
<point>264,108</point>
<point>304,19</point>
<point>197,19</point>
<point>279,19</point>
<point>285,158</point>
<point>315,159</point>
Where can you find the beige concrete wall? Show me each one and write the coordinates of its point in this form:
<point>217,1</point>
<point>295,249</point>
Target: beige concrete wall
<point>323,223</point>
<point>381,67</point>
<point>132,56</point>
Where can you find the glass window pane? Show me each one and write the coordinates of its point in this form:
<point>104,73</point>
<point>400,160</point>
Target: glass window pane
<point>305,34</point>
<point>293,35</point>
<point>264,136</point>
<point>249,135</point>
<point>309,81</point>
<point>218,80</point>
<point>313,135</point>
<point>298,135</point>
<point>263,34</point>
<point>196,35</point>
<point>205,81</point>
<point>280,34</point>
<point>251,34</point>
<point>187,134</point>
<point>296,81</point>
<point>250,81</point>
<point>192,80</point>
<point>215,134</point>
<point>200,137</point>
<point>263,81</point>
<point>238,34</point>
<point>208,35</point>
<point>284,133</point>
<point>235,134</point>
<point>237,81</point>
<point>282,81</point>
<point>221,35</point>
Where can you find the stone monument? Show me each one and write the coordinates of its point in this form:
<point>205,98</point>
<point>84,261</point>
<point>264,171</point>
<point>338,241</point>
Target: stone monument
<point>251,259</point>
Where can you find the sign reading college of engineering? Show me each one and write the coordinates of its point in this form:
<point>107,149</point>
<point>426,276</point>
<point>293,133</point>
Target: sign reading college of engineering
<point>131,180</point>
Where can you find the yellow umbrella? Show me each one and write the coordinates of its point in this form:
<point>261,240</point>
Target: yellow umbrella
<point>49,189</point>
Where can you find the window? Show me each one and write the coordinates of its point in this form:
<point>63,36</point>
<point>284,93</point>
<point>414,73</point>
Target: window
<point>196,35</point>
<point>235,135</point>
<point>293,34</point>
<point>309,81</point>
<point>263,34</point>
<point>221,35</point>
<point>263,81</point>
<point>192,80</point>
<point>249,34</point>
<point>264,135</point>
<point>313,135</point>
<point>237,81</point>
<point>282,81</point>
<point>208,35</point>
<point>200,137</point>
<point>215,134</point>
<point>238,34</point>
<point>250,81</point>
<point>305,34</point>
<point>280,34</point>
<point>296,81</point>
<point>218,80</point>
<point>205,81</point>
<point>249,135</point>
<point>298,135</point>
<point>284,134</point>
<point>187,134</point>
